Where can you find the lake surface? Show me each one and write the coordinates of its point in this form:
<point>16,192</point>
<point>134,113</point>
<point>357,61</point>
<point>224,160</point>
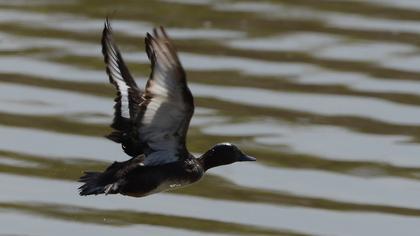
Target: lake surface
<point>326,95</point>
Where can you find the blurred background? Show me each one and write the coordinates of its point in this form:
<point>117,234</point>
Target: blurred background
<point>326,95</point>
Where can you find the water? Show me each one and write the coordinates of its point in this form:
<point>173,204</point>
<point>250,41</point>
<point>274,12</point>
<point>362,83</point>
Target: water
<point>326,95</point>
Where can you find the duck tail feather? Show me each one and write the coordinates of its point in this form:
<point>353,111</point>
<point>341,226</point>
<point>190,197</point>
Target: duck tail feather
<point>92,184</point>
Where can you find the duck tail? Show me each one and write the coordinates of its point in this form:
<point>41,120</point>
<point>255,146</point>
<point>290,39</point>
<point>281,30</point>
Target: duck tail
<point>92,184</point>
<point>96,183</point>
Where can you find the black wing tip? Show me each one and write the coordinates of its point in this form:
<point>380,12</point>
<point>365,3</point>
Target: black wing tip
<point>148,43</point>
<point>149,48</point>
<point>162,29</point>
<point>153,40</point>
<point>155,32</point>
<point>159,31</point>
<point>148,39</point>
<point>107,25</point>
<point>106,36</point>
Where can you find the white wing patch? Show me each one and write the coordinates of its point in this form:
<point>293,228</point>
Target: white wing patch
<point>123,88</point>
<point>152,109</point>
<point>165,90</point>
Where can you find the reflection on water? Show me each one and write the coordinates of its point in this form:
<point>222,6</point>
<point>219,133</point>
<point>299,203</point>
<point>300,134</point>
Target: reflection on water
<point>325,94</point>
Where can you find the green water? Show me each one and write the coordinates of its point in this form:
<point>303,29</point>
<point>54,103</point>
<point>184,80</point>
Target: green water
<point>326,95</point>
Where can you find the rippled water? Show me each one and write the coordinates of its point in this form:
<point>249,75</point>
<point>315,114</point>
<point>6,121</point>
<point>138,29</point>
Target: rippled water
<point>326,94</point>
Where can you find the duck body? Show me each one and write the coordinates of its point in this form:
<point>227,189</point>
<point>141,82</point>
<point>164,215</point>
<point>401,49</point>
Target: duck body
<point>136,180</point>
<point>152,125</point>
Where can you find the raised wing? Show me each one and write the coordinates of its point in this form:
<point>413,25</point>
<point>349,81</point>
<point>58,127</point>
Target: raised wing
<point>168,103</point>
<point>127,102</point>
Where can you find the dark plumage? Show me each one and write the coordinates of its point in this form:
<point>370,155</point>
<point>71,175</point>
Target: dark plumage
<point>152,126</point>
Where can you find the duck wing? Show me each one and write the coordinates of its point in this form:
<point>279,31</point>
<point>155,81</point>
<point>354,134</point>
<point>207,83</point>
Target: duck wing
<point>129,96</point>
<point>167,105</point>
<point>153,123</point>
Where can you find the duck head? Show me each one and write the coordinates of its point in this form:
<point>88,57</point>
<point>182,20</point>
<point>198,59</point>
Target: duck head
<point>223,154</point>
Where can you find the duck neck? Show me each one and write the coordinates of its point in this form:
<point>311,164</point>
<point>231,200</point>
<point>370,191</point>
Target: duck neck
<point>205,163</point>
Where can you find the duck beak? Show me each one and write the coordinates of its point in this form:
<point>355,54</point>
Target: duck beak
<point>247,158</point>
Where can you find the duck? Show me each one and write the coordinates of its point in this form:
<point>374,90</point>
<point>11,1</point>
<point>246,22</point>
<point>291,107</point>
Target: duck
<point>151,126</point>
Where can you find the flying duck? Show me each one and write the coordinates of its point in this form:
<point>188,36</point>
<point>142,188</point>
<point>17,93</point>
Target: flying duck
<point>151,126</point>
